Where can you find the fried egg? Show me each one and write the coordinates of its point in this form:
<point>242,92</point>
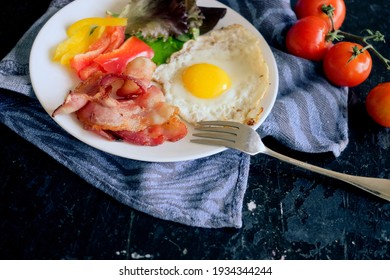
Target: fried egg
<point>222,75</point>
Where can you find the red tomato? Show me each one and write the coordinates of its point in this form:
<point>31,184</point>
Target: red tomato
<point>304,8</point>
<point>342,71</point>
<point>116,61</point>
<point>378,104</point>
<point>306,38</point>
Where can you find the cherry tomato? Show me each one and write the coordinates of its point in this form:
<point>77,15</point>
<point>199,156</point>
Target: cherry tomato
<point>341,70</point>
<point>306,38</point>
<point>378,104</point>
<point>304,8</point>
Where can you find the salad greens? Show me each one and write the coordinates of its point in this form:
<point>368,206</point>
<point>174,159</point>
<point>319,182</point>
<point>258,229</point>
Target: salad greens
<point>166,25</point>
<point>163,49</point>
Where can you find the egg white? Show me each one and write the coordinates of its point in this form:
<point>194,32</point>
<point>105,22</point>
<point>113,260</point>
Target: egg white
<point>236,51</point>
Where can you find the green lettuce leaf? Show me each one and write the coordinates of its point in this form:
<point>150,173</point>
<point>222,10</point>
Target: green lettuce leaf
<point>166,25</point>
<point>162,18</point>
<point>162,48</point>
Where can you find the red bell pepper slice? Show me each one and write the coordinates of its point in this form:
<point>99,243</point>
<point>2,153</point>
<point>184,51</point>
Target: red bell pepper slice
<point>115,61</point>
<point>112,38</point>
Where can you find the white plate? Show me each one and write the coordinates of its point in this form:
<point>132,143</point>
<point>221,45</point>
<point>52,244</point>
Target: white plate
<point>52,81</point>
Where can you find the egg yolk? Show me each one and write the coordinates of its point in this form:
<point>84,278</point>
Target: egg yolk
<point>205,80</point>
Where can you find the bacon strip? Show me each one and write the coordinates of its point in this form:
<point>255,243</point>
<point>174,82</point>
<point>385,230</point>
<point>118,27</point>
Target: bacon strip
<point>136,112</point>
<point>172,130</point>
<point>141,70</point>
<point>85,91</point>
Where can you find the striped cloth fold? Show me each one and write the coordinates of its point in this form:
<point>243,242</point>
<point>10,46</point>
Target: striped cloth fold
<point>309,115</point>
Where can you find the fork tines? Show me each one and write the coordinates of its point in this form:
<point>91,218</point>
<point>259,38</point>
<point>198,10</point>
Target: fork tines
<point>219,123</point>
<point>217,133</point>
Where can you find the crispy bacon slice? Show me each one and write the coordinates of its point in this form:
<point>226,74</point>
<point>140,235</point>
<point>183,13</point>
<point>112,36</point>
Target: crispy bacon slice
<point>172,130</point>
<point>85,91</point>
<point>140,69</point>
<point>125,115</point>
<point>139,116</point>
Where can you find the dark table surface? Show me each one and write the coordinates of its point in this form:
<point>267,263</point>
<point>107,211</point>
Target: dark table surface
<point>47,212</point>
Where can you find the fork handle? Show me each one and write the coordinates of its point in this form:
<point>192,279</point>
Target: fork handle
<point>376,186</point>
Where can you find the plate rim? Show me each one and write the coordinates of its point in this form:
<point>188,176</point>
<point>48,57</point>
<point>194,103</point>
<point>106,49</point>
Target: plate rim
<point>92,140</point>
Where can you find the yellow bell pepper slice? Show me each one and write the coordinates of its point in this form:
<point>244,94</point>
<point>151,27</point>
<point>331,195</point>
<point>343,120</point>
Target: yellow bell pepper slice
<point>95,21</point>
<point>96,34</point>
<point>82,46</point>
<point>74,41</point>
<point>82,34</point>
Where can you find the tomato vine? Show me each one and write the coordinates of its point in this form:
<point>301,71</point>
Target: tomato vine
<point>339,35</point>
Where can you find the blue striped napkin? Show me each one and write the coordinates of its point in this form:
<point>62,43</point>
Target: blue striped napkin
<point>310,115</point>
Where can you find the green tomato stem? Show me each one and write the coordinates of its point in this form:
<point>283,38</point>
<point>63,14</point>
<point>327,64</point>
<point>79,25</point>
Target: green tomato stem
<point>339,35</point>
<point>366,45</point>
